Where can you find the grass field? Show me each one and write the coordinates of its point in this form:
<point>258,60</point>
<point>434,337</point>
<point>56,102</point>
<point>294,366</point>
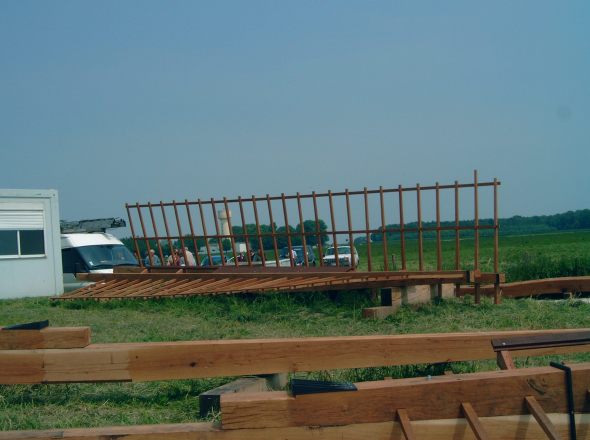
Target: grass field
<point>521,256</point>
<point>277,315</point>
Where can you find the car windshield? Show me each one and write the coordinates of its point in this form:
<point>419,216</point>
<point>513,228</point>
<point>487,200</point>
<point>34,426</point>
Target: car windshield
<point>106,256</point>
<point>216,258</point>
<point>341,250</point>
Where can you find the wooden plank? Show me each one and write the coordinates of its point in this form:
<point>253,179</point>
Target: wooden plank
<point>504,360</point>
<point>534,287</point>
<point>405,424</point>
<point>497,393</point>
<point>539,414</point>
<point>49,337</point>
<point>210,400</point>
<point>474,422</point>
<point>522,427</point>
<point>196,359</point>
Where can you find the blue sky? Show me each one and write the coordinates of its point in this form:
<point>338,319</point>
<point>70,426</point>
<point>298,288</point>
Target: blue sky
<point>112,102</point>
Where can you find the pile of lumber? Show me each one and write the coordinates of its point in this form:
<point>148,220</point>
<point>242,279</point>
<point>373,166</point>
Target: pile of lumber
<point>524,403</point>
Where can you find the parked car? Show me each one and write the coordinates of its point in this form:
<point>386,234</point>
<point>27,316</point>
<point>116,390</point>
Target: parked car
<point>346,257</point>
<point>300,255</point>
<point>215,260</point>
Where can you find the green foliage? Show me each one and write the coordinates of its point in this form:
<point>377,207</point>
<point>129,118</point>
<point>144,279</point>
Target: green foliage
<point>567,221</point>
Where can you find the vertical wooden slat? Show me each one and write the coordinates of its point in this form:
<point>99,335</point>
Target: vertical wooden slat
<point>334,238</point>
<point>384,233</point>
<point>231,231</point>
<point>504,360</point>
<point>367,229</point>
<point>438,232</point>
<point>317,228</point>
<point>474,422</point>
<point>160,252</point>
<point>147,242</point>
<point>349,220</point>
<point>539,414</point>
<point>402,235</point>
<point>258,232</point>
<point>168,237</point>
<point>457,230</point>
<point>178,227</point>
<point>405,424</point>
<point>420,240</point>
<point>303,240</point>
<point>245,231</point>
<point>218,233</point>
<point>287,230</point>
<point>135,244</point>
<point>195,240</point>
<point>476,221</point>
<point>438,240</point>
<point>497,289</point>
<point>273,230</point>
<point>476,233</point>
<point>206,235</point>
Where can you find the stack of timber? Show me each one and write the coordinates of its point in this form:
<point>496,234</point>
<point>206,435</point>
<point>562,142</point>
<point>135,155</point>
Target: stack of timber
<point>132,285</point>
<point>528,403</point>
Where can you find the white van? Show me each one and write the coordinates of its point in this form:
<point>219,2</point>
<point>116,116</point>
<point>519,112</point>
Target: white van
<point>91,252</point>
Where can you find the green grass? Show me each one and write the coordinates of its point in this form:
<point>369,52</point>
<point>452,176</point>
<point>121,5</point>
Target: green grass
<point>246,316</point>
<point>521,257</point>
<point>286,315</point>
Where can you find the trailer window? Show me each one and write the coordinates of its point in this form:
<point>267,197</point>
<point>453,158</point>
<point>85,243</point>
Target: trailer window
<point>22,243</point>
<point>9,243</point>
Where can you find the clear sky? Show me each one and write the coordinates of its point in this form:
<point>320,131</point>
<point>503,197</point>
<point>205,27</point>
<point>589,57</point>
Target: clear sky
<point>124,101</point>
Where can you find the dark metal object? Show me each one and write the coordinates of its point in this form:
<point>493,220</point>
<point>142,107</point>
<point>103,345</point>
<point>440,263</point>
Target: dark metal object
<point>570,396</point>
<point>305,386</point>
<point>543,341</point>
<point>36,325</point>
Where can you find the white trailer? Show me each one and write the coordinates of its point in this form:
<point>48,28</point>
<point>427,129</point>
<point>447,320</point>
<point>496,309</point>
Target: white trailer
<point>30,249</point>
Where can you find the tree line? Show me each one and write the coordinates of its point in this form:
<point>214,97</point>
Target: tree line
<point>516,225</point>
<point>251,233</point>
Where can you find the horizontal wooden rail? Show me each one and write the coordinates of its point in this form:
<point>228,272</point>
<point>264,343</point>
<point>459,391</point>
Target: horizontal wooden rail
<point>493,393</point>
<point>535,287</point>
<point>521,427</point>
<point>197,359</point>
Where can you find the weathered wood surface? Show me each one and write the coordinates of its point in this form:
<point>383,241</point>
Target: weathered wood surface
<point>157,285</point>
<point>495,393</point>
<point>534,287</point>
<point>49,337</point>
<point>196,359</point>
<point>522,427</point>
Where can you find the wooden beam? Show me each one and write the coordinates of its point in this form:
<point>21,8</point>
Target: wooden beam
<point>496,393</point>
<point>474,422</point>
<point>533,287</point>
<point>209,401</point>
<point>523,427</point>
<point>538,413</point>
<point>405,424</point>
<point>49,337</point>
<point>504,360</point>
<point>196,359</point>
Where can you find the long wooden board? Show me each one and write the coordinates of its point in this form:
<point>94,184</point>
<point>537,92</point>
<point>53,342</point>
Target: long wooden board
<point>196,359</point>
<point>499,428</point>
<point>534,287</point>
<point>495,393</point>
<point>49,337</point>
